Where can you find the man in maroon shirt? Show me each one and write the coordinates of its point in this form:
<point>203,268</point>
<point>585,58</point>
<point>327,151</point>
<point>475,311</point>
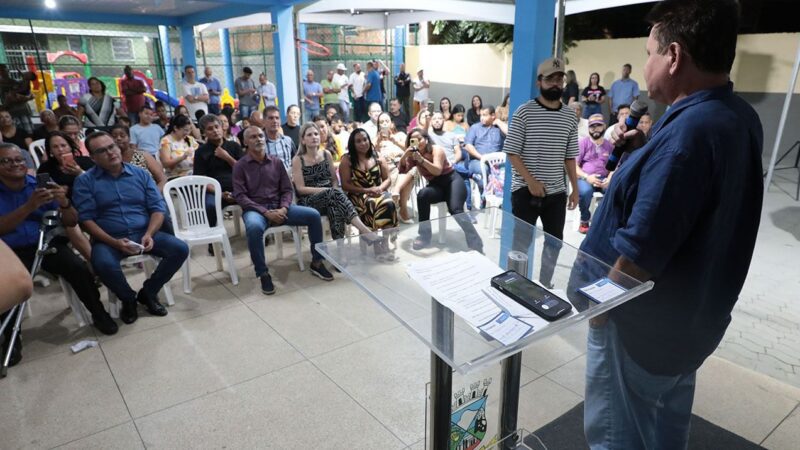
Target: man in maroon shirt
<point>262,188</point>
<point>134,90</point>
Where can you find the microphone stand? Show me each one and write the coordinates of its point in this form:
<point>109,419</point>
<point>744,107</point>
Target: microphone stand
<point>47,231</point>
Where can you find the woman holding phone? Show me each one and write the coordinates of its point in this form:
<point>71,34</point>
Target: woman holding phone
<point>444,185</point>
<point>64,164</point>
<point>177,148</point>
<point>391,145</point>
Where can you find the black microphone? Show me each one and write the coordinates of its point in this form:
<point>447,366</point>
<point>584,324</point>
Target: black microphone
<point>638,109</point>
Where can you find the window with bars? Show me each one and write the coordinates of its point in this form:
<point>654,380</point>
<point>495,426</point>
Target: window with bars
<point>122,49</point>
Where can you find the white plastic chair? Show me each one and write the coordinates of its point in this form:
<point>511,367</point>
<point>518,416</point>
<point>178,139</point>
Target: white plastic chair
<point>80,312</point>
<point>441,207</point>
<point>492,201</point>
<point>191,191</point>
<point>36,149</point>
<point>149,262</point>
<point>277,233</point>
<point>236,210</point>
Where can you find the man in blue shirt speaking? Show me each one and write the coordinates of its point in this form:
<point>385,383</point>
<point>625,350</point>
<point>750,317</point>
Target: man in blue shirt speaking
<point>682,211</point>
<point>121,208</point>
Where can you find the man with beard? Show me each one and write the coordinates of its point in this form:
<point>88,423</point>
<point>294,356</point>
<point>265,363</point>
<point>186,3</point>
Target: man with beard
<point>591,167</point>
<point>542,142</point>
<point>215,159</point>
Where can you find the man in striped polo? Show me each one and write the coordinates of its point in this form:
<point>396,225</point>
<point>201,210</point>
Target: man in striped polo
<point>542,142</point>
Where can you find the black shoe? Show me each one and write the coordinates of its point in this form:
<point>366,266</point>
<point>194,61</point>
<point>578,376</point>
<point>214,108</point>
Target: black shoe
<point>129,313</point>
<point>16,352</point>
<point>266,285</point>
<point>104,323</point>
<point>321,272</point>
<point>152,304</point>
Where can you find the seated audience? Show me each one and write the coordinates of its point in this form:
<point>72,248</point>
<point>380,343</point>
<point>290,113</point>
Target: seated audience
<point>318,187</point>
<point>474,112</point>
<point>457,124</point>
<point>11,133</point>
<point>485,137</point>
<point>421,121</point>
<point>371,126</point>
<point>184,111</point>
<point>502,111</point>
<point>145,135</point>
<point>645,124</point>
<point>591,167</point>
<point>138,158</point>
<point>622,114</point>
<point>399,117</point>
<point>49,124</point>
<point>64,164</point>
<point>339,131</point>
<point>121,208</point>
<point>73,127</point>
<point>22,206</point>
<point>292,126</point>
<point>162,116</point>
<point>64,109</point>
<point>391,145</point>
<point>443,186</point>
<point>445,108</point>
<point>226,129</point>
<point>279,145</point>
<point>261,186</point>
<point>583,124</point>
<point>216,159</point>
<point>326,141</point>
<point>365,178</point>
<point>177,148</point>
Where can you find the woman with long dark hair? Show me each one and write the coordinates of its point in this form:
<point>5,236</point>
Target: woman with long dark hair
<point>445,107</point>
<point>365,178</point>
<point>444,185</point>
<point>141,159</point>
<point>474,112</point>
<point>593,96</point>
<point>571,89</point>
<point>96,108</point>
<point>177,147</point>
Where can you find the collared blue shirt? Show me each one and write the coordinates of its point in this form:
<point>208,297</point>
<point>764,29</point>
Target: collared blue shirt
<point>374,93</point>
<point>485,139</point>
<point>686,209</point>
<point>312,88</point>
<point>26,233</point>
<point>622,92</point>
<point>212,83</point>
<point>120,206</point>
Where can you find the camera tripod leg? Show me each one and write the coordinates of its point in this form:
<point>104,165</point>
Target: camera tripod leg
<point>19,311</point>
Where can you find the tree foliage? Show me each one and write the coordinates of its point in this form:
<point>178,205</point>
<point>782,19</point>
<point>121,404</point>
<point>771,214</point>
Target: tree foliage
<point>469,32</point>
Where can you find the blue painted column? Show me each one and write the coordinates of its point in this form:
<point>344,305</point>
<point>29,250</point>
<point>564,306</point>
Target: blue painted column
<point>301,34</point>
<point>227,61</point>
<point>399,49</point>
<point>169,68</point>
<point>533,42</point>
<point>285,58</point>
<point>188,50</point>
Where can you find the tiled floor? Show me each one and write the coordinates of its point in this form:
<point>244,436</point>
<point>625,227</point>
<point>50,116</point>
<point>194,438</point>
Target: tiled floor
<point>318,365</point>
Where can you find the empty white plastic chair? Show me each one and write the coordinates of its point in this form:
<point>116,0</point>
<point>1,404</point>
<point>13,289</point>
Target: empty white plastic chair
<point>277,233</point>
<point>493,200</point>
<point>191,191</point>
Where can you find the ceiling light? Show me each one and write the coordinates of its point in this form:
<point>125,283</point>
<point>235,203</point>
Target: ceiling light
<point>146,38</point>
<point>50,4</point>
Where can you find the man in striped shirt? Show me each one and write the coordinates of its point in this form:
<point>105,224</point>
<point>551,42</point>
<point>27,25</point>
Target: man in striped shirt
<point>542,142</point>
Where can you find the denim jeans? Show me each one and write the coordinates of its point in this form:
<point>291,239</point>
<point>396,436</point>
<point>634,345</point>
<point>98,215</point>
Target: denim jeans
<point>256,224</point>
<point>585,194</point>
<point>211,208</point>
<point>245,111</point>
<point>592,108</point>
<point>105,261</point>
<point>310,113</point>
<point>628,407</point>
<point>133,117</point>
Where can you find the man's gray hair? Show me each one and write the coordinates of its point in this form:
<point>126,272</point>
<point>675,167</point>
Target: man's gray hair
<point>9,146</point>
<point>208,119</point>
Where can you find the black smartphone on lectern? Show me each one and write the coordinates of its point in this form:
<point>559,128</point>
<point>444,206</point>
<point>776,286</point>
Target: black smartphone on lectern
<point>544,303</point>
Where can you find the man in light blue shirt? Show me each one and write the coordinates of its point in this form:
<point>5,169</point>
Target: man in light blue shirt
<point>483,138</point>
<point>145,135</point>
<point>623,92</point>
<point>313,93</point>
<point>120,206</point>
<point>214,91</point>
<point>267,90</point>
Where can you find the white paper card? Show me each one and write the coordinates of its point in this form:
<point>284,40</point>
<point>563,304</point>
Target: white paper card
<point>602,290</point>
